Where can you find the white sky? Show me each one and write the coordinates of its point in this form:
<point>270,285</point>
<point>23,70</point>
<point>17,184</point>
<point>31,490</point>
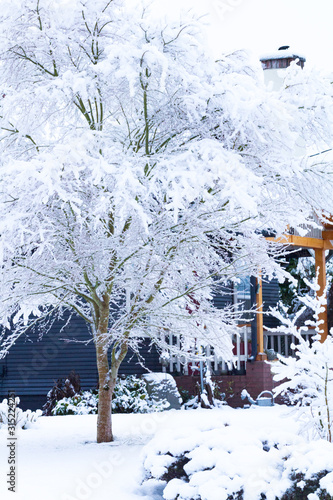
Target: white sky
<point>264,25</point>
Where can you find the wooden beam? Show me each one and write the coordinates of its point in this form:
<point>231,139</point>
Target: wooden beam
<point>320,264</point>
<point>302,241</point>
<point>319,245</point>
<point>260,322</point>
<point>327,234</point>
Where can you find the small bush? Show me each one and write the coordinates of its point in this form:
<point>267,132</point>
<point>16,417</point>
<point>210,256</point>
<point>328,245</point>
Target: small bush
<point>130,396</point>
<point>61,390</point>
<point>80,404</point>
<point>23,419</point>
<point>300,490</point>
<point>191,463</point>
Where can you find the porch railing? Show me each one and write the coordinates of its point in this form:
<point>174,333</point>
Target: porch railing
<point>187,365</point>
<point>278,342</point>
<point>281,343</point>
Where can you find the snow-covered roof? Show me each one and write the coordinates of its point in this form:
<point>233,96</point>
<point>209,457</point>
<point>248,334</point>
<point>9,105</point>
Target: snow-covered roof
<point>282,54</point>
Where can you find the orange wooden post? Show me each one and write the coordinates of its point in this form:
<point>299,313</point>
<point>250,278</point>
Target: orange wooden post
<point>260,322</point>
<point>320,264</point>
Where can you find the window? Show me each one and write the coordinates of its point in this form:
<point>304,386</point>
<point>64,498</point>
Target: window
<point>242,295</point>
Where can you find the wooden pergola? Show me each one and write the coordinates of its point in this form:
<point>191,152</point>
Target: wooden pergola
<point>319,245</point>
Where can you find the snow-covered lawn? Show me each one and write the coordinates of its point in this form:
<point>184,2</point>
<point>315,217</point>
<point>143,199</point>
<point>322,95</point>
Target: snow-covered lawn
<point>58,458</point>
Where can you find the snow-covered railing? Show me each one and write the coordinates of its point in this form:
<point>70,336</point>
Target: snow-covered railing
<point>278,342</point>
<point>311,232</point>
<point>281,342</point>
<point>186,365</point>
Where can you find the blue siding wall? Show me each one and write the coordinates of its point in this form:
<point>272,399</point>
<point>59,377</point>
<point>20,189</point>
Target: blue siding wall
<point>32,365</point>
<point>270,297</point>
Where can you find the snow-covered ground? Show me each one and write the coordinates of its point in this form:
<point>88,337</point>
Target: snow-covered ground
<point>58,458</point>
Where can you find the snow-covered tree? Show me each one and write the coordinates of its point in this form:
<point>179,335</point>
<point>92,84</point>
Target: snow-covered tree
<point>307,377</point>
<point>137,175</point>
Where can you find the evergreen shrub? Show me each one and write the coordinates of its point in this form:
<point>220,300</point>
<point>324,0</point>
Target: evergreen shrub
<point>130,396</point>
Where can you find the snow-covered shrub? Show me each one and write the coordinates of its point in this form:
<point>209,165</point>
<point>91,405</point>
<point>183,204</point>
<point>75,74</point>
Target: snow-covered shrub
<point>23,419</point>
<point>84,403</point>
<point>307,377</point>
<point>67,389</point>
<point>130,396</point>
<point>229,463</point>
<point>307,487</point>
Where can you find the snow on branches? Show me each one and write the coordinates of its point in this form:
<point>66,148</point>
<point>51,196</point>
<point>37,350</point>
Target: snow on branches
<point>307,377</point>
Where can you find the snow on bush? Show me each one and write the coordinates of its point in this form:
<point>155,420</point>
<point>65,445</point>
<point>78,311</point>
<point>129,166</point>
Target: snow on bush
<point>130,396</point>
<point>79,404</point>
<point>62,390</point>
<point>23,419</point>
<point>307,377</point>
<point>229,462</point>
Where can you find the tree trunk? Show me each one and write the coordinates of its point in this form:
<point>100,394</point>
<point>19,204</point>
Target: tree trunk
<point>106,386</point>
<point>104,424</point>
<point>107,376</point>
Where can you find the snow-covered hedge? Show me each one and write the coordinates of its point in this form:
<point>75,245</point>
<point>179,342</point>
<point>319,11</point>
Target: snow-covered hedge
<point>23,419</point>
<point>84,403</point>
<point>229,463</point>
<point>130,396</point>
